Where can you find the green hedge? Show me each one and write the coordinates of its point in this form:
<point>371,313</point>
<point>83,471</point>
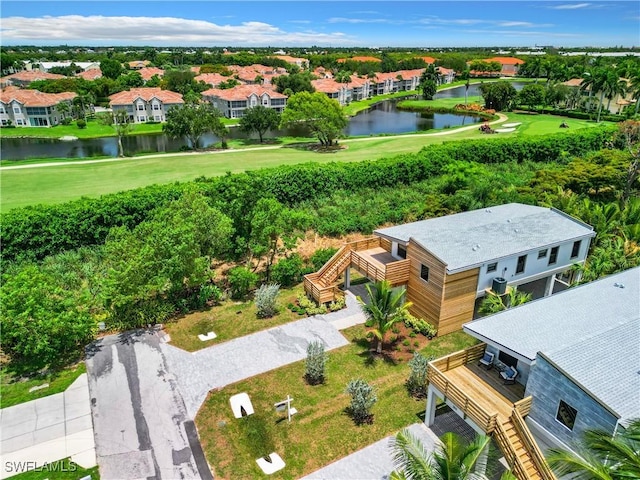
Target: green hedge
<point>38,231</point>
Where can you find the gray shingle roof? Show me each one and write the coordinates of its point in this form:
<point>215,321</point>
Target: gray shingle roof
<point>472,238</point>
<point>592,332</point>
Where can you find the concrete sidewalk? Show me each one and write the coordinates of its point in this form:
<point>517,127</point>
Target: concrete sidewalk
<point>48,429</point>
<point>219,365</point>
<point>373,462</point>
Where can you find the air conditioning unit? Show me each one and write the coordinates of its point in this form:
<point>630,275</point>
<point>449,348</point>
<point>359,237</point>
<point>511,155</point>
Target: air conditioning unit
<point>499,285</point>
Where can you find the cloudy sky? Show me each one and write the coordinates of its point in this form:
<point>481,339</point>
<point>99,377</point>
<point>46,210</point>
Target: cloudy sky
<point>368,23</point>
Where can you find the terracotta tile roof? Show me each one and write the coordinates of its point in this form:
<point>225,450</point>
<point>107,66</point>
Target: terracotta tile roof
<point>429,60</point>
<point>328,85</point>
<point>444,71</point>
<point>290,59</point>
<point>148,72</point>
<point>146,93</point>
<point>573,82</point>
<point>195,70</point>
<point>212,79</point>
<point>242,92</point>
<point>90,74</point>
<point>405,74</point>
<point>34,98</point>
<point>359,59</point>
<point>138,63</point>
<point>29,76</point>
<point>505,60</point>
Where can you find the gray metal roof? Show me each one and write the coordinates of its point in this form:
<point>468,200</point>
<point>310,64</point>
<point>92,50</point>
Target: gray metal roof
<point>592,332</point>
<point>472,238</point>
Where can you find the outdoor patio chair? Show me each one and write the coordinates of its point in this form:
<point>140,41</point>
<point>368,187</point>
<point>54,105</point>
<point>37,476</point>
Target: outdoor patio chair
<point>487,360</point>
<point>509,375</point>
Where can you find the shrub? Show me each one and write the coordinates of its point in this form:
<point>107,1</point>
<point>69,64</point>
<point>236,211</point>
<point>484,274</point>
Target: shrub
<point>81,124</point>
<point>241,281</point>
<point>66,121</point>
<point>288,271</point>
<point>315,363</point>
<point>322,256</point>
<point>417,382</point>
<point>209,293</point>
<point>363,398</point>
<point>266,300</point>
<point>338,304</point>
<point>419,325</point>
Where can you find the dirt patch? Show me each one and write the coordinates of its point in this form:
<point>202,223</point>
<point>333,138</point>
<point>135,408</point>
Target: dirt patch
<point>400,345</point>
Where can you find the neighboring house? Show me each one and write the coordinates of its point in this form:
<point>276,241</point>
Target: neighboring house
<point>322,72</point>
<point>428,60</point>
<point>391,82</point>
<point>446,75</point>
<point>147,72</point>
<point>510,65</point>
<point>447,263</point>
<point>616,104</point>
<point>213,79</point>
<point>577,358</point>
<point>360,88</point>
<point>232,102</point>
<point>91,74</point>
<point>145,104</point>
<point>31,108</point>
<point>24,78</point>
<point>138,64</point>
<point>250,73</point>
<point>46,66</point>
<point>303,63</point>
<point>336,90</point>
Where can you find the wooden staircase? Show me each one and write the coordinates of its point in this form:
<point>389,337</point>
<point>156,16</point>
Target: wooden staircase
<point>520,450</point>
<point>331,270</point>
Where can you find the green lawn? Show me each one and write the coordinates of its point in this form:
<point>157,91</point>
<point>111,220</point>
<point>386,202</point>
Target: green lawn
<point>229,320</point>
<point>94,129</point>
<point>320,432</point>
<point>62,470</point>
<point>61,183</point>
<point>13,392</point>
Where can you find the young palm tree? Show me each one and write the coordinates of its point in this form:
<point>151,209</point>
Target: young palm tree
<point>384,308</point>
<point>601,456</point>
<point>454,459</point>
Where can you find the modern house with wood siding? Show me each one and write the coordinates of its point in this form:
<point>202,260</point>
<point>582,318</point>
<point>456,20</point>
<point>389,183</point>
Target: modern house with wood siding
<point>578,362</point>
<point>447,263</point>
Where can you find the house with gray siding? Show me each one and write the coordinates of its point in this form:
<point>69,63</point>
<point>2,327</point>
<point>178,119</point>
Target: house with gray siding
<point>577,354</point>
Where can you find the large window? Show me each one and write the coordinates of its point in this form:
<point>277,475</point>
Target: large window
<point>553,257</point>
<point>508,359</point>
<point>402,251</point>
<point>566,414</point>
<point>424,273</point>
<point>576,248</point>
<point>522,263</point>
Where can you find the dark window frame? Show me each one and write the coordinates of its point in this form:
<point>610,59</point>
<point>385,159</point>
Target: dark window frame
<point>424,273</point>
<point>553,255</point>
<point>543,253</point>
<point>575,250</point>
<point>521,266</point>
<point>401,251</point>
<point>492,267</point>
<point>566,414</point>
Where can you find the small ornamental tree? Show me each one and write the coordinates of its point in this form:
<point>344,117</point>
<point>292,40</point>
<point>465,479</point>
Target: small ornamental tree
<point>241,282</point>
<point>363,398</point>
<point>266,300</point>
<point>259,119</point>
<point>417,382</point>
<point>315,363</point>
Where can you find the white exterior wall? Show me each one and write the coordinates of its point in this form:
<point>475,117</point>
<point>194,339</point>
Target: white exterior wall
<point>535,268</point>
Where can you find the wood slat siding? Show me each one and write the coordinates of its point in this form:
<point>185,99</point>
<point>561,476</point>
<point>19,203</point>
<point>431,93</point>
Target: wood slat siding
<point>386,244</point>
<point>458,300</point>
<point>425,296</point>
<point>397,273</point>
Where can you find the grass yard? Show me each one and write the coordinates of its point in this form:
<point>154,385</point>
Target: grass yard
<point>13,392</point>
<point>62,183</point>
<point>62,470</point>
<point>94,129</point>
<point>229,320</point>
<point>320,432</point>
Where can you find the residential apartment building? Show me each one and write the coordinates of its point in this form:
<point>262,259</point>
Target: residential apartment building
<point>232,102</point>
<point>577,362</point>
<point>447,263</point>
<point>31,108</point>
<point>147,72</point>
<point>510,65</point>
<point>341,92</point>
<point>24,78</point>
<point>145,104</point>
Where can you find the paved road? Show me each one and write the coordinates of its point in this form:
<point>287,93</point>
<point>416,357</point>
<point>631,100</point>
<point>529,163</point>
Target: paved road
<point>142,429</point>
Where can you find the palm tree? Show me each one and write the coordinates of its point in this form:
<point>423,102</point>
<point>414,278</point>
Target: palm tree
<point>454,459</point>
<point>601,456</point>
<point>466,76</point>
<point>613,86</point>
<point>383,309</point>
<point>634,87</point>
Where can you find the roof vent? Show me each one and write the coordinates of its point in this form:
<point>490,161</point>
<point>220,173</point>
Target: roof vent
<point>508,220</point>
<point>619,285</point>
<point>516,230</point>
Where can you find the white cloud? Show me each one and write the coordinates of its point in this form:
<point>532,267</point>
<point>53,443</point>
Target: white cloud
<point>361,20</point>
<point>510,23</point>
<point>156,30</point>
<point>524,33</point>
<point>570,6</point>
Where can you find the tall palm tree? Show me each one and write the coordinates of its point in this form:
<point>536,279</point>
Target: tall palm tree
<point>601,456</point>
<point>383,309</point>
<point>613,86</point>
<point>634,87</point>
<point>454,458</point>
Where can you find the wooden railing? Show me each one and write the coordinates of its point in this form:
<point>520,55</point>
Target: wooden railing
<point>523,406</point>
<point>509,451</point>
<point>459,358</point>
<point>531,446</point>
